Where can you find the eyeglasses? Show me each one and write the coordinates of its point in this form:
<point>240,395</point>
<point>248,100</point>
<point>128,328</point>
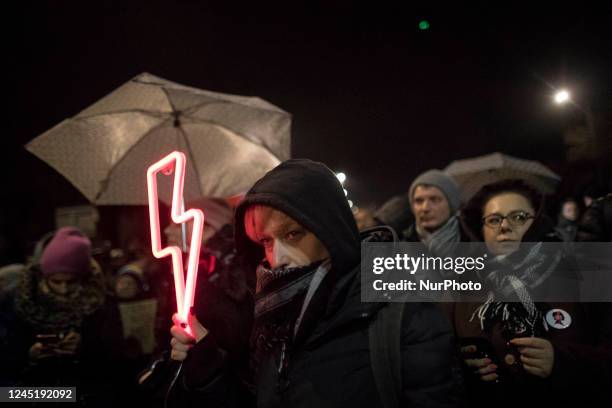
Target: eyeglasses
<point>515,218</point>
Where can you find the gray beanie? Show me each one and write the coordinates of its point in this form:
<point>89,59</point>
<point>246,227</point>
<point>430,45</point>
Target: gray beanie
<point>441,180</point>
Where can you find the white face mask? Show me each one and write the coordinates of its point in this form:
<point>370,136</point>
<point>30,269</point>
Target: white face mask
<point>289,256</point>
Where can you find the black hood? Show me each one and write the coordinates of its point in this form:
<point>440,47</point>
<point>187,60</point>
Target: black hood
<point>310,193</point>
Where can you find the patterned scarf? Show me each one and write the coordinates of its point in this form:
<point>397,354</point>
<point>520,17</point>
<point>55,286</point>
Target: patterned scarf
<point>47,312</point>
<point>511,276</point>
<point>277,287</point>
<point>442,242</point>
<point>279,300</point>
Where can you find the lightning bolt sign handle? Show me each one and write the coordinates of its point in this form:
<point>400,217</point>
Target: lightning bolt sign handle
<point>185,289</point>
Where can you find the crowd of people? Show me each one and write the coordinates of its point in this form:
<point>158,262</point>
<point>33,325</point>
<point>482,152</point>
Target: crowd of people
<point>278,319</point>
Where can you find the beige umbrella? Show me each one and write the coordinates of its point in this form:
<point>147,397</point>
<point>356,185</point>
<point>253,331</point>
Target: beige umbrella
<point>474,173</point>
<point>230,141</point>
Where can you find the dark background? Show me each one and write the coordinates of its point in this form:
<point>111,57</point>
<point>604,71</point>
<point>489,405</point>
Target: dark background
<point>370,93</point>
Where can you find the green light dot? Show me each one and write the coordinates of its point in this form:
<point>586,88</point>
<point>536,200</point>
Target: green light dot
<point>424,24</point>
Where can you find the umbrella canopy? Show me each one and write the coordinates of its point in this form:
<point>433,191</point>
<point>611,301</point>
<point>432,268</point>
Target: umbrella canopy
<point>230,141</point>
<point>396,213</point>
<point>474,173</point>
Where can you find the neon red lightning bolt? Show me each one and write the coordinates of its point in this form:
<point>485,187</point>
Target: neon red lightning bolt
<point>185,290</point>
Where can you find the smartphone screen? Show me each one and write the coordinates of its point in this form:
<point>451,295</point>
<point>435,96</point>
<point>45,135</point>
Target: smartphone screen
<point>47,339</point>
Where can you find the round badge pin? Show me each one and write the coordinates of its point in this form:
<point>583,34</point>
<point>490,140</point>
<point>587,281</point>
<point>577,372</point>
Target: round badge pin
<point>558,319</point>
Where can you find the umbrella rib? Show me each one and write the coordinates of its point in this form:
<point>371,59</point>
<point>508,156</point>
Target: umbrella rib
<point>164,84</point>
<point>197,106</point>
<point>192,158</point>
<point>126,154</point>
<point>179,128</point>
<point>155,114</point>
<point>221,101</point>
<point>239,134</point>
<point>165,91</point>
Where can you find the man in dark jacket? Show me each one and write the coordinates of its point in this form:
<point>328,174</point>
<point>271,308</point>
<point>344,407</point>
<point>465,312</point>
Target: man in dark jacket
<point>309,342</point>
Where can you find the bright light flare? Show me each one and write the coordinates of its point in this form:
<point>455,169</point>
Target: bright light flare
<point>562,97</point>
<point>341,177</point>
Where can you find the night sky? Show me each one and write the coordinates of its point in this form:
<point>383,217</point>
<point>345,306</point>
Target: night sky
<point>370,93</point>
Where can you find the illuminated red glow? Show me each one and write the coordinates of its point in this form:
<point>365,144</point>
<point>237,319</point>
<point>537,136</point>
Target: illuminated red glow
<point>185,289</point>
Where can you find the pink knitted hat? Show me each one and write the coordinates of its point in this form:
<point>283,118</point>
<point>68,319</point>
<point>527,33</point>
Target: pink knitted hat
<point>69,251</point>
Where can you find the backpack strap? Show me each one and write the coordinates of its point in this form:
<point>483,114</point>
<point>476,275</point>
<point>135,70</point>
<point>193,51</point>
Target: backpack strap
<point>385,354</point>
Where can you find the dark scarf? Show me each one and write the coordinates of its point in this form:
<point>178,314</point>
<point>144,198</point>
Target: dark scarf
<point>280,286</point>
<point>48,313</point>
<point>516,275</point>
<point>279,298</point>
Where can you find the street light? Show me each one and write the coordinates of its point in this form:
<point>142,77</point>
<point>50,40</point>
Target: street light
<point>341,177</point>
<point>562,96</point>
<point>584,145</point>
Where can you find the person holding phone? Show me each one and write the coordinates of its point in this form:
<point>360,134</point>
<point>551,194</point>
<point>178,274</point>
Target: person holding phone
<point>527,350</point>
<point>59,291</point>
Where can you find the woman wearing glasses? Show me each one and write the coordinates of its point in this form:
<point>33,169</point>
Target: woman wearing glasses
<point>517,347</point>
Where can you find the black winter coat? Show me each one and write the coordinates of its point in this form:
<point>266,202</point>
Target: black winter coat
<point>582,349</point>
<point>327,363</point>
